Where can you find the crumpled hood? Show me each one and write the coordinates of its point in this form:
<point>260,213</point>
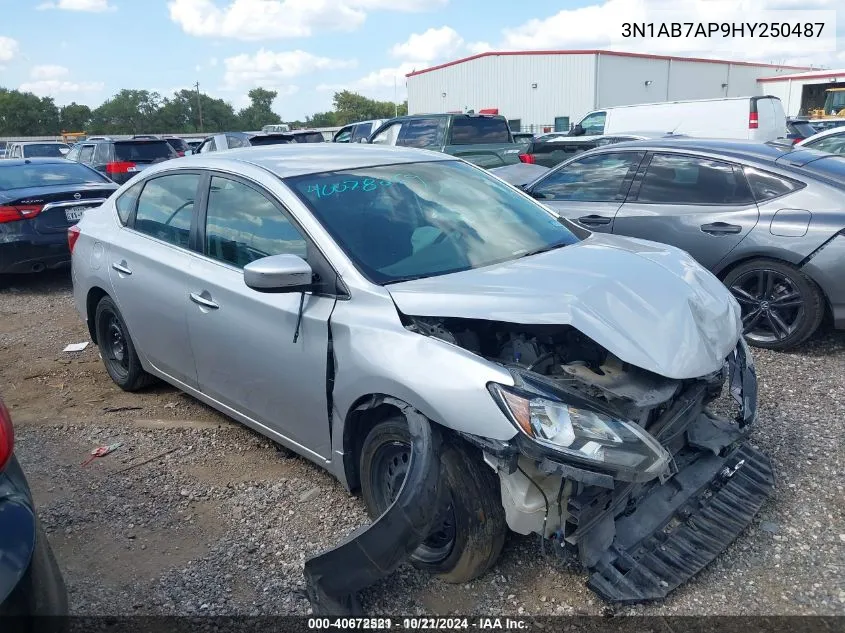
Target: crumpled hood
<point>649,304</point>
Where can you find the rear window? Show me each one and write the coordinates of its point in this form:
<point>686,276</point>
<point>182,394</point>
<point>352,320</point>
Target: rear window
<point>43,150</point>
<point>804,129</point>
<point>178,144</point>
<point>480,130</point>
<point>46,174</point>
<point>310,137</point>
<point>142,151</point>
<point>271,140</point>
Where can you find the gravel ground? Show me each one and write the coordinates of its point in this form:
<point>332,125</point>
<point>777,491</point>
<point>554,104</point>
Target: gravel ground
<point>222,523</point>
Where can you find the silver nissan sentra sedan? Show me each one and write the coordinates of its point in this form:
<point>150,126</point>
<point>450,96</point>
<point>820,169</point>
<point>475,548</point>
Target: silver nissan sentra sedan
<point>438,340</point>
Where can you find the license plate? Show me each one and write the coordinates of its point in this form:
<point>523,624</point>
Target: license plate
<point>74,214</point>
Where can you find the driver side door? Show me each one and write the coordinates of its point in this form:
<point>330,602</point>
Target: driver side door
<point>589,190</point>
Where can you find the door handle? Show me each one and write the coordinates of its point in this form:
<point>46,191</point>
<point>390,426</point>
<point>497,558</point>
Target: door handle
<point>121,268</point>
<point>594,220</point>
<point>721,228</point>
<point>200,300</point>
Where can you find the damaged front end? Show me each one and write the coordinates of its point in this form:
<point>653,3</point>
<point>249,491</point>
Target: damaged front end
<point>632,472</point>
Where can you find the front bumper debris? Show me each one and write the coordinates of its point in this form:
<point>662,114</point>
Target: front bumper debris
<point>334,577</point>
<point>680,527</point>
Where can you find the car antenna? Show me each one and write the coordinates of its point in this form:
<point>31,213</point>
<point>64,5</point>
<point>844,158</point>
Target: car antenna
<point>299,316</point>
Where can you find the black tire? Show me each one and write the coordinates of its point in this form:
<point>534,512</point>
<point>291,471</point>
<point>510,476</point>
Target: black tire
<point>781,306</point>
<point>117,349</point>
<point>470,537</point>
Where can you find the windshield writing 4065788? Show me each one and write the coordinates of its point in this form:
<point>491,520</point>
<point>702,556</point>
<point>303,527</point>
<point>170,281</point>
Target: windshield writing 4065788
<point>362,184</point>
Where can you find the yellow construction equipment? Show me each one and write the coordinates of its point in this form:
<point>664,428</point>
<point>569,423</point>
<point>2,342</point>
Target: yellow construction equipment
<point>72,137</point>
<point>834,105</point>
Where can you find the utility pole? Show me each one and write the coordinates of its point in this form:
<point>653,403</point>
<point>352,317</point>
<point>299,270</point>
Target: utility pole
<point>395,98</point>
<point>199,102</point>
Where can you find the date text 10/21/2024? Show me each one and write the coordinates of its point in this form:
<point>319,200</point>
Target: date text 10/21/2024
<point>419,624</point>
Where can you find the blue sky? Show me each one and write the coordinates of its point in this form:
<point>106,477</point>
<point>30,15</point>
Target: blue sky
<point>86,50</point>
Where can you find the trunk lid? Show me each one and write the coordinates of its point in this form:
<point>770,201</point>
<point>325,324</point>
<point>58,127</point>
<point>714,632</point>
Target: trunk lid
<point>63,205</point>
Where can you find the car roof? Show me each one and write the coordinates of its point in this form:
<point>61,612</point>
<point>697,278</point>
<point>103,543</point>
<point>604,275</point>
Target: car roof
<point>12,162</point>
<point>729,148</point>
<point>298,159</point>
<point>831,132</point>
<point>40,143</point>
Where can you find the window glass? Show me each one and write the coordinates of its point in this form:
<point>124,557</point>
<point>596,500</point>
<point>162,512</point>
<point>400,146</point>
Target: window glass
<point>16,151</point>
<point>767,186</point>
<point>243,225</point>
<point>478,130</point>
<point>345,135</point>
<point>361,132</point>
<point>101,154</point>
<point>835,144</point>
<point>594,123</point>
<point>388,135</point>
<point>416,220</point>
<point>596,178</point>
<point>166,206</point>
<point>208,145</point>
<point>86,154</point>
<point>234,141</point>
<point>142,151</point>
<point>679,179</point>
<point>420,132</point>
<point>126,202</point>
<point>73,154</point>
<point>43,150</point>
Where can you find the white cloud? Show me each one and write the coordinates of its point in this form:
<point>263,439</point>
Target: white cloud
<point>48,72</point>
<point>430,45</point>
<point>273,70</point>
<point>90,6</point>
<point>55,87</point>
<point>274,19</point>
<point>476,48</point>
<point>8,48</point>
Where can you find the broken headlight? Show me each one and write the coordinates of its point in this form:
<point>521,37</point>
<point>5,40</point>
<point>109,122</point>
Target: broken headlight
<point>589,437</point>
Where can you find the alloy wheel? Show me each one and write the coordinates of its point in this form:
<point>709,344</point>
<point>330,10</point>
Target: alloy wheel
<point>772,305</point>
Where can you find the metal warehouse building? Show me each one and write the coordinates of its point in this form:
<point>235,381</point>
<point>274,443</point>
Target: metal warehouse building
<point>551,90</point>
<point>802,92</point>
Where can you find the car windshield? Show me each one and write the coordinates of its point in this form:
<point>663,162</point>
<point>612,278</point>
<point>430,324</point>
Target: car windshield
<point>43,150</point>
<point>42,175</point>
<point>415,220</point>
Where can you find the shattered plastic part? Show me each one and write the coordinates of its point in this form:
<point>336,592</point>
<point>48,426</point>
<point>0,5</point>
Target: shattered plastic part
<point>714,501</point>
<point>372,552</point>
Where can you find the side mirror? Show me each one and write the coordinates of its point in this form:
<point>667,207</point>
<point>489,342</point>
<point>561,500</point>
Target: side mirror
<point>577,130</point>
<point>278,273</point>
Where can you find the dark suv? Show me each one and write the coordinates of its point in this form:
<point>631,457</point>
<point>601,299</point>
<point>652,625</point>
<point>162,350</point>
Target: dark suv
<point>120,160</point>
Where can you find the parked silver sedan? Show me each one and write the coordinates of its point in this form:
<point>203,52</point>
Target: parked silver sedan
<point>444,343</point>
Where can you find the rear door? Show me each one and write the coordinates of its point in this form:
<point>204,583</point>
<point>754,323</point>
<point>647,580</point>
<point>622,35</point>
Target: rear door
<point>771,119</point>
<point>149,265</point>
<point>700,205</point>
<point>589,190</point>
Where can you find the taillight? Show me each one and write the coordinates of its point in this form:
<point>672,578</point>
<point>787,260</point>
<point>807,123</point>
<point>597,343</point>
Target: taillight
<point>179,153</point>
<point>753,121</point>
<point>7,436</point>
<point>120,167</point>
<point>72,235</point>
<point>16,212</point>
<point>527,158</point>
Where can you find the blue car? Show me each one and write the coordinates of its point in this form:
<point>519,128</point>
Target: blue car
<point>30,581</point>
<point>40,198</point>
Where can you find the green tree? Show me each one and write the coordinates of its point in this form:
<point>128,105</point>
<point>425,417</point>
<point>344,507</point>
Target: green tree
<point>75,117</point>
<point>127,112</point>
<point>260,112</point>
<point>350,107</point>
<point>322,119</point>
<point>24,114</point>
<point>180,114</point>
